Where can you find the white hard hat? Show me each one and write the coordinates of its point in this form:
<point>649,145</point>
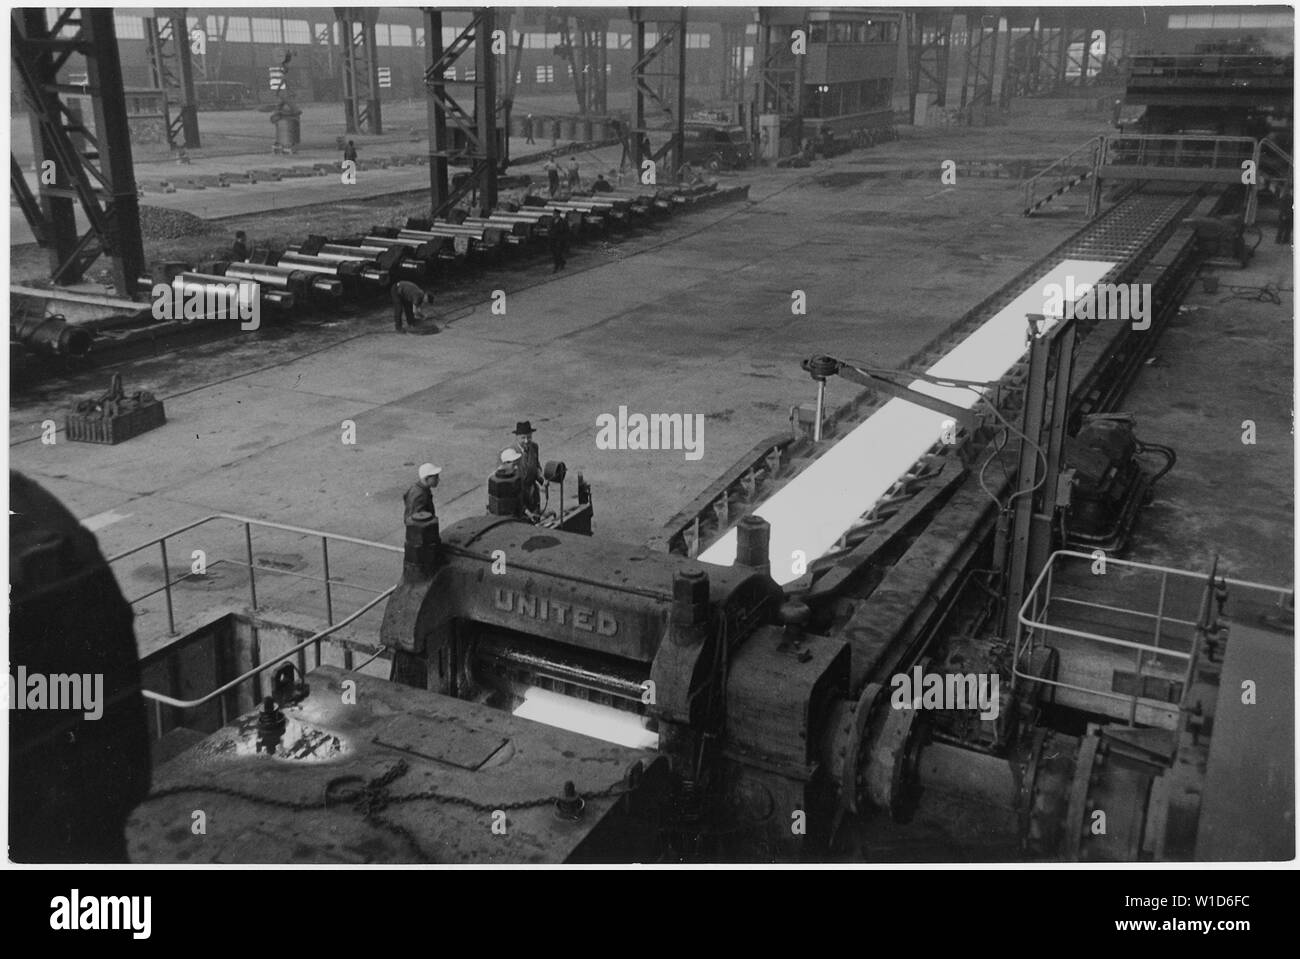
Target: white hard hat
<point>511,455</point>
<point>428,469</point>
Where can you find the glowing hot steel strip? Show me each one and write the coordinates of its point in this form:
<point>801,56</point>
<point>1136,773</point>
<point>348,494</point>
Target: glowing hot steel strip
<point>818,506</point>
<point>589,719</point>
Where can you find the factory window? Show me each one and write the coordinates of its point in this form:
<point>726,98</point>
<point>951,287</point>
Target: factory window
<point>470,74</point>
<point>545,73</point>
<point>450,74</point>
<point>266,31</point>
<point>842,99</point>
<point>400,35</point>
<point>237,30</point>
<point>128,28</point>
<point>381,35</point>
<point>817,31</point>
<point>297,31</point>
<point>697,41</point>
<point>883,31</point>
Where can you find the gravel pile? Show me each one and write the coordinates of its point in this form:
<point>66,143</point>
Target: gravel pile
<point>159,224</point>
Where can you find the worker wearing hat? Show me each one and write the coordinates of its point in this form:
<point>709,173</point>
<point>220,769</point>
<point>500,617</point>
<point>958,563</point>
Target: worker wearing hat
<point>506,472</point>
<point>419,498</point>
<point>530,469</point>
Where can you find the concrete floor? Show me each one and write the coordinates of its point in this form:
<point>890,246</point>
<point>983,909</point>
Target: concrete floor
<point>1227,358</point>
<point>694,317</point>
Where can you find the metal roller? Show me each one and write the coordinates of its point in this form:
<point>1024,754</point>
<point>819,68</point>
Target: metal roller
<point>285,278</point>
<point>52,335</point>
<point>231,298</point>
<point>502,660</point>
<point>393,259</point>
<point>344,268</point>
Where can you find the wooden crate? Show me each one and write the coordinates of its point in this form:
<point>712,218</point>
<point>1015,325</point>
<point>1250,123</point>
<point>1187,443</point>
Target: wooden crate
<point>112,430</point>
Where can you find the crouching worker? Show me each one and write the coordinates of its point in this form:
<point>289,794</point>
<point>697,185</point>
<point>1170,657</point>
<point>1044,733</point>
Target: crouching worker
<point>407,297</point>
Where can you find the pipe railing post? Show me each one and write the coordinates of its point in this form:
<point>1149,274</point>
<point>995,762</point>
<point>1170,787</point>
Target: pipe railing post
<point>248,543</point>
<point>329,596</point>
<point>167,588</point>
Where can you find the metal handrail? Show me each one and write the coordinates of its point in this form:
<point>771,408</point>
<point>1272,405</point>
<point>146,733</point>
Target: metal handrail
<point>248,524</point>
<point>1125,144</point>
<point>1070,159</point>
<point>254,522</point>
<point>1030,610</point>
<point>256,670</point>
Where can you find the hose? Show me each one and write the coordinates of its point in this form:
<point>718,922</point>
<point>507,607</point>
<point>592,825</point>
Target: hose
<point>1167,452</point>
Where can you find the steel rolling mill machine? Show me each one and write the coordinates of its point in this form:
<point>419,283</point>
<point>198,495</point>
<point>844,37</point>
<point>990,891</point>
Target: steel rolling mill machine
<point>951,678</point>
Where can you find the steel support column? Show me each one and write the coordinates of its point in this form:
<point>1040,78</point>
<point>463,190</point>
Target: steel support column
<point>167,40</point>
<point>732,89</point>
<point>95,169</point>
<point>929,37</point>
<point>439,144</point>
<point>1033,516</point>
<point>981,59</point>
<point>361,105</point>
<point>485,108</point>
<point>668,94</point>
<point>479,131</point>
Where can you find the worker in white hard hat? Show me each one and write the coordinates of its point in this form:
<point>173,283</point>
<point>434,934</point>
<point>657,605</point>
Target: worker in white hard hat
<point>507,467</point>
<point>419,498</point>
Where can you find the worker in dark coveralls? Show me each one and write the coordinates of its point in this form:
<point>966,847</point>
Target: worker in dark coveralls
<point>406,297</point>
<point>419,498</point>
<point>530,469</point>
<point>558,240</point>
<point>239,249</point>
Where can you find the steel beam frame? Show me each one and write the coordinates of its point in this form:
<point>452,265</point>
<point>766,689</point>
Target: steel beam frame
<point>361,105</point>
<point>732,88</point>
<point>583,45</point>
<point>929,43</point>
<point>779,75</point>
<point>480,129</point>
<point>167,40</point>
<point>665,89</point>
<point>1033,518</point>
<point>981,58</point>
<point>93,170</point>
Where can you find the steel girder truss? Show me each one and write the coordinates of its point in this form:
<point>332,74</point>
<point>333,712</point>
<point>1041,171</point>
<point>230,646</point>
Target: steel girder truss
<point>665,89</point>
<point>928,43</point>
<point>982,31</point>
<point>583,42</point>
<point>76,166</point>
<point>167,41</point>
<point>479,128</point>
<point>361,106</point>
<point>733,62</point>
